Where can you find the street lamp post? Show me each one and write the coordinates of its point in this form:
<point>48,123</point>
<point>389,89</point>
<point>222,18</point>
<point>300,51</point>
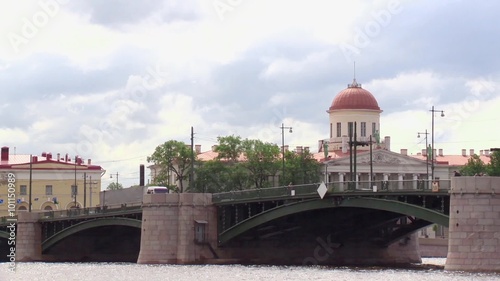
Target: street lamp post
<point>427,156</point>
<point>432,145</point>
<point>283,148</point>
<point>74,186</point>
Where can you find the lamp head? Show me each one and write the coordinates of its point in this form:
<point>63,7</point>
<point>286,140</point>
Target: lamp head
<point>291,130</point>
<point>418,136</point>
<point>442,113</point>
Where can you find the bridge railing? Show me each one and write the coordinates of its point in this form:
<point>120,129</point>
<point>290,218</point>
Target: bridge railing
<point>345,187</point>
<point>79,212</point>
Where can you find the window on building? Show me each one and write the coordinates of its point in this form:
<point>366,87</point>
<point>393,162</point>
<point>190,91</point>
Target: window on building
<point>74,190</point>
<point>339,129</point>
<point>363,129</point>
<point>331,130</point>
<point>200,231</point>
<point>23,190</point>
<point>374,128</point>
<point>350,129</point>
<point>48,190</point>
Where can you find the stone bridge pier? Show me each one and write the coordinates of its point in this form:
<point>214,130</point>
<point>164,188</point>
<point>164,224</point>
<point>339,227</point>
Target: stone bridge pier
<point>178,229</point>
<point>474,232</point>
<point>29,237</point>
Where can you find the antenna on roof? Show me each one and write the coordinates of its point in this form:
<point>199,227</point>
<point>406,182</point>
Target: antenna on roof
<point>354,83</point>
<point>354,70</point>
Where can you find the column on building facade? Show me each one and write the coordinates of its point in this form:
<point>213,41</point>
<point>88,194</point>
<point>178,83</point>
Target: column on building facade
<point>415,181</point>
<point>385,180</point>
<point>400,181</point>
<point>356,178</point>
<point>341,181</point>
<point>386,177</point>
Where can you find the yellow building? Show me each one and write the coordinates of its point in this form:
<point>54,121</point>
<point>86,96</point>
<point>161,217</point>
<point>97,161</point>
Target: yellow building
<point>52,182</point>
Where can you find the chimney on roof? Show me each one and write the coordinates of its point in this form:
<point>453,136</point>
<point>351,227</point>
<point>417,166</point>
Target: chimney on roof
<point>306,148</point>
<point>214,147</point>
<point>197,148</point>
<point>34,159</point>
<point>404,151</point>
<point>44,154</point>
<point>481,152</point>
<point>58,156</point>
<point>89,162</point>
<point>5,153</point>
<point>286,147</point>
<point>440,151</point>
<point>49,156</point>
<point>487,152</point>
<point>424,152</point>
<point>66,157</point>
<point>471,151</point>
<point>298,149</point>
<point>387,143</point>
<point>141,175</point>
<point>464,152</point>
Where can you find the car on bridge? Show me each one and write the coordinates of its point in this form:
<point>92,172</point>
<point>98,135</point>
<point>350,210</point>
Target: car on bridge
<point>157,189</point>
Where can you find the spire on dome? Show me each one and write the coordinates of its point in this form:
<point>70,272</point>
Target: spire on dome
<point>354,83</point>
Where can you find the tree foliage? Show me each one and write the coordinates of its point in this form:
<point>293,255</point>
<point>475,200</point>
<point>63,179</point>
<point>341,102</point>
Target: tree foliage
<point>493,168</point>
<point>473,167</point>
<point>261,167</point>
<point>262,161</point>
<point>114,186</point>
<point>172,156</point>
<point>229,148</point>
<point>301,168</point>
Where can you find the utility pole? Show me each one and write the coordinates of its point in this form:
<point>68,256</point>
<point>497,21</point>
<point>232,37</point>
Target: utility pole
<point>191,175</point>
<point>31,173</point>
<point>432,149</point>
<point>74,188</point>
<point>90,191</point>
<point>84,190</point>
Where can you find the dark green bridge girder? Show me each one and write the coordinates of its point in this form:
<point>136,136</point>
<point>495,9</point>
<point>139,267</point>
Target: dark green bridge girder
<point>4,234</point>
<point>109,221</point>
<point>308,205</point>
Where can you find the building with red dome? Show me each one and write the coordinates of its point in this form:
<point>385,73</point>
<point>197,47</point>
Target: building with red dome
<point>353,107</point>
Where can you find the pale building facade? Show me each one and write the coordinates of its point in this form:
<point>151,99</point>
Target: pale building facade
<point>52,182</point>
<point>355,105</point>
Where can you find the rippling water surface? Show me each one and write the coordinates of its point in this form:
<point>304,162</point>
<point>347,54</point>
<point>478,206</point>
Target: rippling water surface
<point>126,271</point>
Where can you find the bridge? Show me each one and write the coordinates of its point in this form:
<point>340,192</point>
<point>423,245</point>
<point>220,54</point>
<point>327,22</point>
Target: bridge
<point>356,214</point>
<point>302,224</point>
<point>78,228</point>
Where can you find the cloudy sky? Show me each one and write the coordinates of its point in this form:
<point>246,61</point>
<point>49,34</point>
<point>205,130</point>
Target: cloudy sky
<point>111,80</point>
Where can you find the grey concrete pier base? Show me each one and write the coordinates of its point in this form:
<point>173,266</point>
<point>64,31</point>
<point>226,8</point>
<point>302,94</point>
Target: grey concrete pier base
<point>474,231</point>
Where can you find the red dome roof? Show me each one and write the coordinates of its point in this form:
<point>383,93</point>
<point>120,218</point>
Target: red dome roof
<point>354,97</point>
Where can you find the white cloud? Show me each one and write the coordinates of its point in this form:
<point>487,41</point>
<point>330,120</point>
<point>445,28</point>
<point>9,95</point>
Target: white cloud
<point>84,79</point>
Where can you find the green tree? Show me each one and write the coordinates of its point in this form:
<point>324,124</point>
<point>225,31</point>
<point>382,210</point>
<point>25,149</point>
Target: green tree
<point>474,166</point>
<point>114,186</point>
<point>172,156</point>
<point>229,148</point>
<point>262,161</point>
<point>301,168</point>
<point>212,177</point>
<point>493,168</point>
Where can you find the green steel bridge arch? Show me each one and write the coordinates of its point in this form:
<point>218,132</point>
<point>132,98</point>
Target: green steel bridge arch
<point>315,204</point>
<point>107,221</point>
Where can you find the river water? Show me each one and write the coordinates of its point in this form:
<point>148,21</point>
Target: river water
<point>431,270</point>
